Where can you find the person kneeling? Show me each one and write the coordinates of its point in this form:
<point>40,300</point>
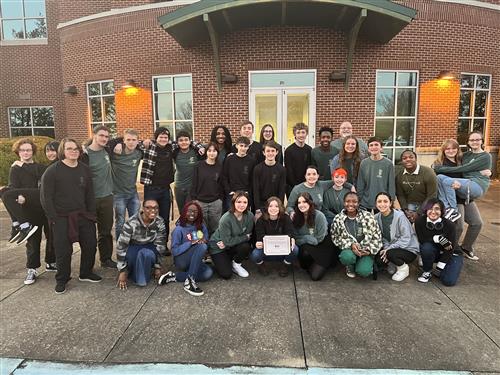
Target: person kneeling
<point>189,246</point>
<point>139,246</point>
<point>357,234</point>
<point>273,222</point>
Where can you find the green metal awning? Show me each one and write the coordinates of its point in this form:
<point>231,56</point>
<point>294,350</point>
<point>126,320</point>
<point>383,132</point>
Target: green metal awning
<point>207,20</point>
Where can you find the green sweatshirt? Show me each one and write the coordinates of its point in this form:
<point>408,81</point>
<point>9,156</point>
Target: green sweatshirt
<point>375,176</point>
<point>322,160</point>
<point>231,231</point>
<point>472,165</point>
<point>312,236</point>
<point>415,188</point>
<point>316,193</point>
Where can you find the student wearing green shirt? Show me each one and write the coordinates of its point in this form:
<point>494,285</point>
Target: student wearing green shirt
<point>322,155</point>
<point>231,242</point>
<point>185,158</point>
<point>312,186</point>
<point>473,185</point>
<point>333,198</point>
<point>125,165</point>
<point>376,174</point>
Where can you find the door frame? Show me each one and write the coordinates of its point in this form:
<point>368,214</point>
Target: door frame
<point>281,92</point>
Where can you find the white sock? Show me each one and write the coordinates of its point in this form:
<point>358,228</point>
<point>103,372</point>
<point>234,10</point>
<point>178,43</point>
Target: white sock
<point>440,265</point>
<point>15,223</point>
<point>24,225</point>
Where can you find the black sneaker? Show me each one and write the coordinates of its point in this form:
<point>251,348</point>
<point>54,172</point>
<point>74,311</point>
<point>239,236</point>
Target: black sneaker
<point>91,278</point>
<point>454,216</point>
<point>166,278</point>
<point>14,233</point>
<point>26,233</point>
<point>60,288</point>
<point>469,254</point>
<point>109,263</point>
<point>50,267</point>
<point>191,287</point>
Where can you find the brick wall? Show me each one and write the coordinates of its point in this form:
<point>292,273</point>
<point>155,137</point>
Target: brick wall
<point>133,46</point>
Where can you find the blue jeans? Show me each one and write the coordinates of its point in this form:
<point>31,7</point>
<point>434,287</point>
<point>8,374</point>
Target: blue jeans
<point>140,261</point>
<point>257,256</point>
<point>432,253</point>
<point>162,196</point>
<point>468,190</point>
<point>190,263</point>
<point>124,203</point>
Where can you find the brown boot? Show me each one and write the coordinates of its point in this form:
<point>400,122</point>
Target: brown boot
<point>262,269</point>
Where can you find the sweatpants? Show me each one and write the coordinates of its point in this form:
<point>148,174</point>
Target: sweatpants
<point>64,248</point>
<point>363,265</point>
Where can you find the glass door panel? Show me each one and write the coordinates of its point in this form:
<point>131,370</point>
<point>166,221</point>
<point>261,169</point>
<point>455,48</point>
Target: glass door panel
<point>297,110</point>
<point>266,112</point>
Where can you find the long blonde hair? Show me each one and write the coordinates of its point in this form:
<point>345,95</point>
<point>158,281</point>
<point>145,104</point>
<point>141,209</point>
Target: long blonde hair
<point>442,156</point>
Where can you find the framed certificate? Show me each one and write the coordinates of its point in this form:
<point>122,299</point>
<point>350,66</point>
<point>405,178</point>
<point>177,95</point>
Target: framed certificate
<point>276,245</point>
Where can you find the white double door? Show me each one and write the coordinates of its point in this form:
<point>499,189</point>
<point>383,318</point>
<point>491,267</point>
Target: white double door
<point>283,108</point>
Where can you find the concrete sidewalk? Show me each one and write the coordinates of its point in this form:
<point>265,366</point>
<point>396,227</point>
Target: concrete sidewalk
<point>260,321</point>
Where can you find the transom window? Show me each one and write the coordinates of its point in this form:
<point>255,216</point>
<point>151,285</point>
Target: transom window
<point>395,110</point>
<point>173,103</point>
<point>23,19</point>
<point>101,102</point>
<point>29,121</point>
<point>473,107</point>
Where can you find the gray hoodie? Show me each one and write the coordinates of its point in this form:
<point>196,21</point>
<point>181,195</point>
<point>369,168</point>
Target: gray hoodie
<point>402,233</point>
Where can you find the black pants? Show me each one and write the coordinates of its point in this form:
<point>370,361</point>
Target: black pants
<point>397,256</point>
<point>316,259</point>
<point>64,248</point>
<point>104,212</point>
<point>223,261</point>
<point>33,247</point>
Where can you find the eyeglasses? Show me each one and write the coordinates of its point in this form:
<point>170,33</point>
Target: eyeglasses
<point>151,208</point>
<point>267,131</point>
<point>25,150</point>
<point>71,149</point>
<point>475,140</point>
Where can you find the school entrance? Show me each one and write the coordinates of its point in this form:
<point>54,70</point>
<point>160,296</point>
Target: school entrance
<point>282,99</point>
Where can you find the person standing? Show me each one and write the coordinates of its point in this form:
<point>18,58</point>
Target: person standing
<point>97,157</point>
<point>415,185</point>
<point>266,135</point>
<point>139,246</point>
<point>376,174</point>
<point>67,197</point>
<point>222,138</point>
<point>322,155</point>
<point>348,158</point>
<point>297,158</point>
<point>346,130</point>
<point>254,148</point>
<point>125,166</point>
<point>269,178</point>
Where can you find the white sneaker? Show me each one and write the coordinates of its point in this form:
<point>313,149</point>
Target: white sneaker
<point>425,277</point>
<point>349,271</point>
<point>239,270</point>
<point>402,272</point>
<point>391,268</point>
<point>31,276</point>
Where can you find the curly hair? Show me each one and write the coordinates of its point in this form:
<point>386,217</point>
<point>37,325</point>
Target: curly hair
<point>198,222</point>
<point>228,142</point>
<point>23,141</point>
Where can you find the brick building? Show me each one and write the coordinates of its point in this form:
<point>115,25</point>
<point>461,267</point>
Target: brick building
<point>195,64</point>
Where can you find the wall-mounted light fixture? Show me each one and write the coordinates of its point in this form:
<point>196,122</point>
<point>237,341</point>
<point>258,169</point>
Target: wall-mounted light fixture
<point>128,84</point>
<point>70,90</point>
<point>337,75</point>
<point>229,78</point>
<point>446,74</point>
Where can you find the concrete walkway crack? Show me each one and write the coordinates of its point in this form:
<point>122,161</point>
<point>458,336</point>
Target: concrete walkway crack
<point>300,320</point>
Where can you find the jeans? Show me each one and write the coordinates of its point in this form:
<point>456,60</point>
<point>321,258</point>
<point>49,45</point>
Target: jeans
<point>468,190</point>
<point>140,261</point>
<point>162,196</point>
<point>212,213</point>
<point>190,263</point>
<point>104,212</point>
<point>431,253</point>
<point>257,256</point>
<point>124,203</point>
<point>471,216</point>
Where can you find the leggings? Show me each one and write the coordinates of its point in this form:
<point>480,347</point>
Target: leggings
<point>397,256</point>
<point>223,261</point>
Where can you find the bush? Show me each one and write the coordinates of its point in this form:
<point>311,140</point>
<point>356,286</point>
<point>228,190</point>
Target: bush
<point>7,157</point>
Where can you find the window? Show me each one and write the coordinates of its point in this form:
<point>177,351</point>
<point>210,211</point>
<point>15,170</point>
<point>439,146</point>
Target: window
<point>173,103</point>
<point>101,99</point>
<point>23,19</point>
<point>473,106</point>
<point>26,121</point>
<point>395,110</point>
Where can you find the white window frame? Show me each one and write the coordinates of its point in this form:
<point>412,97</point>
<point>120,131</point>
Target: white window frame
<point>396,117</point>
<point>174,120</point>
<point>472,117</point>
<point>92,124</point>
<point>24,40</point>
<point>31,119</point>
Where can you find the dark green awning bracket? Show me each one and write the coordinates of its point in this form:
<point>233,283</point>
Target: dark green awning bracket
<point>351,44</point>
<point>214,40</point>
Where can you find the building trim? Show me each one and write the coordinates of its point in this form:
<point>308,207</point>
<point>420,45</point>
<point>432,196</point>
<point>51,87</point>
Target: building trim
<point>114,12</point>
<point>474,3</point>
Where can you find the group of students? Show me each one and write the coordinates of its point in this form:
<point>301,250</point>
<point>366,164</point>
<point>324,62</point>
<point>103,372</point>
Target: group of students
<point>230,196</point>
